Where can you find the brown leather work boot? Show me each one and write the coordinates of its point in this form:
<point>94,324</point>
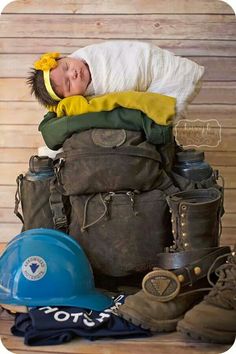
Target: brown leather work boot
<point>214,319</point>
<point>154,315</point>
<point>179,281</point>
<point>163,300</point>
<point>195,218</point>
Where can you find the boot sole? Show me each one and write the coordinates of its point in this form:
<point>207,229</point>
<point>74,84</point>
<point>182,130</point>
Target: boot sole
<point>205,334</point>
<point>131,315</point>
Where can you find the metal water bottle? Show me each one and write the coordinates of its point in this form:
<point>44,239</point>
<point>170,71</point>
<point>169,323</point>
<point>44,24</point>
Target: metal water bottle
<point>191,164</point>
<point>40,168</point>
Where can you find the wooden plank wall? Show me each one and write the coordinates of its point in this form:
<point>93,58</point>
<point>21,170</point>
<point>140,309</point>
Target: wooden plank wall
<point>204,30</point>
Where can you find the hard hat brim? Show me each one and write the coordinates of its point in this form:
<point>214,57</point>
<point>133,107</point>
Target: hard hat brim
<point>94,301</point>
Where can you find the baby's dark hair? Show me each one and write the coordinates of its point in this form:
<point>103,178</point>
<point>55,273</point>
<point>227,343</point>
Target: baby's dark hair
<point>36,82</point>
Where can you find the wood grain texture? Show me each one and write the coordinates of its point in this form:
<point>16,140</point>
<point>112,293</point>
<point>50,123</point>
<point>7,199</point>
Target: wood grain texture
<point>216,93</point>
<point>221,158</point>
<point>159,343</point>
<point>7,216</point>
<point>118,6</point>
<point>5,324</point>
<point>8,231</point>
<point>16,155</point>
<point>20,136</point>
<point>30,113</point>
<point>229,220</point>
<point>184,47</point>
<point>224,114</point>
<point>109,26</point>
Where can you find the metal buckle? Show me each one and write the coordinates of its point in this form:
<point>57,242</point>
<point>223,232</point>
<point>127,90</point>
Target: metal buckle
<point>161,285</point>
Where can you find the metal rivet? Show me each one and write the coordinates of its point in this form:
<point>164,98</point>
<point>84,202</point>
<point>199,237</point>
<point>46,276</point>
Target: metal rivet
<point>182,215</point>
<point>172,220</point>
<point>170,210</point>
<point>181,278</point>
<point>186,245</point>
<point>197,270</point>
<point>173,231</point>
<point>182,223</point>
<point>184,234</point>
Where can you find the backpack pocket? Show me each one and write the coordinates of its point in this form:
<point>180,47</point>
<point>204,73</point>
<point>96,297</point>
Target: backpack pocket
<point>103,160</point>
<point>34,199</point>
<point>121,232</point>
<point>42,205</point>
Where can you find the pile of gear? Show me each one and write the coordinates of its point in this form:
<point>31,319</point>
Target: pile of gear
<point>144,211</point>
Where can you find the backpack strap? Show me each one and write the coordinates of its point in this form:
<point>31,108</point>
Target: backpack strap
<point>57,207</point>
<point>18,198</point>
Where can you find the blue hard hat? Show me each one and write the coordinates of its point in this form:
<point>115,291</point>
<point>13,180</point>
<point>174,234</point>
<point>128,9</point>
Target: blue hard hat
<point>43,267</point>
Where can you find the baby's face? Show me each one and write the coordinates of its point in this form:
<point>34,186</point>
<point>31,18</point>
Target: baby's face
<point>70,77</point>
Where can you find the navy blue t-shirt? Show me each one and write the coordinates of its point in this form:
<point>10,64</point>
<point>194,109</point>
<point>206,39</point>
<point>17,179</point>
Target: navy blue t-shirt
<point>52,325</point>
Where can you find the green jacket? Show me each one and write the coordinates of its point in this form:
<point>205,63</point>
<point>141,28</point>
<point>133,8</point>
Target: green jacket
<point>56,130</point>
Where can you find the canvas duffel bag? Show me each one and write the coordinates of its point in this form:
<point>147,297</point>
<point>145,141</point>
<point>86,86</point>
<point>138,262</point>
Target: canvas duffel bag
<point>121,232</point>
<point>103,160</point>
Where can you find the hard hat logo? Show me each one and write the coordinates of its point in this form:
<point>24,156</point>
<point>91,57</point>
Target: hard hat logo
<point>34,268</point>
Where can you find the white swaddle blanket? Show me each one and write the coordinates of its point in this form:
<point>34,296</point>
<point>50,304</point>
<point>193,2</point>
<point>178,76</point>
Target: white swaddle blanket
<point>132,65</point>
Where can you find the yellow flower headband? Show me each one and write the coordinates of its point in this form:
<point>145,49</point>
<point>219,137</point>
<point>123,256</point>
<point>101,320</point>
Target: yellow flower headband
<point>46,63</point>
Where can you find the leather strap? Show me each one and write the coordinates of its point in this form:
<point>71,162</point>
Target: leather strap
<point>57,207</point>
<point>18,198</point>
<point>190,266</point>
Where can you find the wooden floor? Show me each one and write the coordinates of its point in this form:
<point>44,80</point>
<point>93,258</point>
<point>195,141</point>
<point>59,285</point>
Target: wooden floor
<point>170,343</point>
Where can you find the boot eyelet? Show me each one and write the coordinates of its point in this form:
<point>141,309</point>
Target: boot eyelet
<point>197,270</point>
<point>183,207</point>
<point>184,234</point>
<point>182,215</point>
<point>186,245</point>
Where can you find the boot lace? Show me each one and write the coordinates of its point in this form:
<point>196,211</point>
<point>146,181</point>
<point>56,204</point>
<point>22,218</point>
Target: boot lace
<point>223,292</point>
